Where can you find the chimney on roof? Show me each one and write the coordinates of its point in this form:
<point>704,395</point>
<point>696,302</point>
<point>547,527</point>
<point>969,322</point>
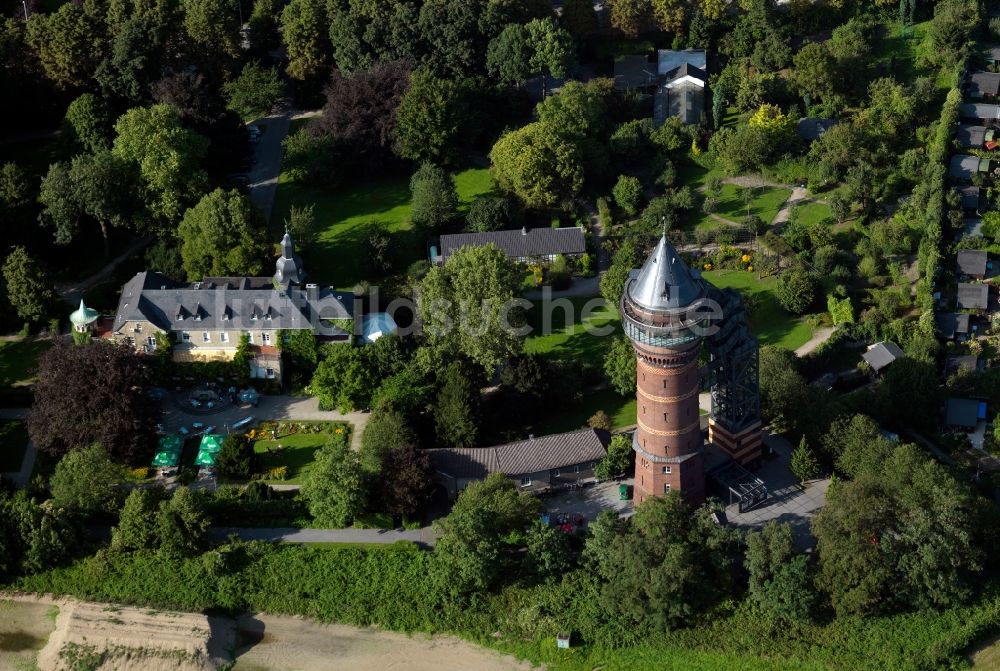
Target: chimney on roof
<point>312,292</point>
<point>524,230</point>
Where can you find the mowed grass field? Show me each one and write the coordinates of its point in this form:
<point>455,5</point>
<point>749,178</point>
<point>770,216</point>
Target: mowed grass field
<point>572,328</point>
<point>769,321</point>
<point>297,450</point>
<point>346,215</point>
<point>19,361</point>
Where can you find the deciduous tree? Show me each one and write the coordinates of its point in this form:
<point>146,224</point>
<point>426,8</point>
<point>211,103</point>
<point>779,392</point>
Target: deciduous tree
<point>537,165</point>
<point>29,288</point>
<point>334,486</point>
<point>618,459</point>
<point>80,399</point>
<point>455,412</point>
<point>222,235</point>
<point>86,481</point>
<point>405,480</point>
<point>255,91</point>
<point>433,119</point>
<point>435,201</point>
<point>167,155</point>
<point>468,305</point>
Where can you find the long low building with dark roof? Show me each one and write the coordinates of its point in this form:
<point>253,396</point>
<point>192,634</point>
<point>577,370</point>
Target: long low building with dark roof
<point>523,245</point>
<point>206,320</point>
<point>535,464</point>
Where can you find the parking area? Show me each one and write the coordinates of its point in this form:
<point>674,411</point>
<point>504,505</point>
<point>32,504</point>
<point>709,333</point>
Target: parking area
<point>591,500</point>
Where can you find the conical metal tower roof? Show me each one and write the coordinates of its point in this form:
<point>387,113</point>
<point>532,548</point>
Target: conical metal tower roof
<point>83,315</point>
<point>665,283</point>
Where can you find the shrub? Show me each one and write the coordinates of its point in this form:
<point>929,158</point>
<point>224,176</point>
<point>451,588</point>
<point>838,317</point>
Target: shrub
<point>312,158</point>
<point>237,459</point>
<point>795,291</point>
<point>492,213</point>
<point>599,420</point>
<point>628,194</point>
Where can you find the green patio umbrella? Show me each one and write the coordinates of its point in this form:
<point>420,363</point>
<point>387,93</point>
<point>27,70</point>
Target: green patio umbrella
<point>205,458</point>
<point>170,444</point>
<point>166,458</point>
<point>211,443</point>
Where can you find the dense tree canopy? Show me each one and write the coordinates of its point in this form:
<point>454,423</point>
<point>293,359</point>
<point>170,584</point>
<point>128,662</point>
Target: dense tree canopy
<point>538,166</point>
<point>167,155</point>
<point>93,394</point>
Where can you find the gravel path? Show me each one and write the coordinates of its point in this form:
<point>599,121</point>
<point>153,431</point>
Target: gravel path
<point>820,336</point>
<point>799,194</point>
<point>425,536</point>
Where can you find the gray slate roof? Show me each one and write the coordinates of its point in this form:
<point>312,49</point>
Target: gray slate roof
<point>963,412</point>
<point>972,262</point>
<point>970,197</point>
<point>973,296</point>
<point>953,364</point>
<point>227,303</point>
<point>964,167</point>
<point>971,136</point>
<point>949,324</point>
<point>522,457</point>
<point>984,111</point>
<point>634,72</point>
<point>811,128</point>
<point>685,70</point>
<point>520,242</point>
<point>984,83</point>
<point>882,354</point>
<point>665,282</point>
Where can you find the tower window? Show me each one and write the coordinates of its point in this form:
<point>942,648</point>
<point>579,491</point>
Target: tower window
<point>664,416</point>
<point>666,470</point>
<point>666,487</point>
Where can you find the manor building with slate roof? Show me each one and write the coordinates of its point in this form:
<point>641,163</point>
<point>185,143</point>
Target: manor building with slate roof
<point>205,320</point>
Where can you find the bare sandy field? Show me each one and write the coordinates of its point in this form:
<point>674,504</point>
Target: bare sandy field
<point>279,643</point>
<point>122,638</point>
<point>24,628</point>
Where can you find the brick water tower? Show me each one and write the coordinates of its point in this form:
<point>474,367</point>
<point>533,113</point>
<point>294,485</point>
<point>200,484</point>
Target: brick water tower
<point>659,314</point>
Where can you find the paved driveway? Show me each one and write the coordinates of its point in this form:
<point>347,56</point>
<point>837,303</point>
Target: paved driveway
<point>264,176</point>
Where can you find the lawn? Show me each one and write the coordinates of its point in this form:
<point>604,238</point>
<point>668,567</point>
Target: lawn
<point>346,215</point>
<point>769,321</point>
<point>765,204</point>
<point>812,212</point>
<point>297,449</point>
<point>696,173</point>
<point>13,443</point>
<point>586,338</point>
<point>18,361</point>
